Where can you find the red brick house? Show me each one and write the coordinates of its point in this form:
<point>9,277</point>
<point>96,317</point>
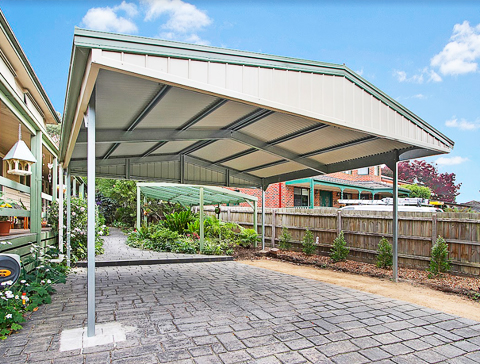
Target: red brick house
<point>325,190</point>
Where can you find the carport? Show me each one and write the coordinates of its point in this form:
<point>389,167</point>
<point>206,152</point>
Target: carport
<point>154,110</point>
<point>194,195</point>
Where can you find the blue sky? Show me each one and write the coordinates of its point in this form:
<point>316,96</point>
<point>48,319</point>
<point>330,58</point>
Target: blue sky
<point>424,54</point>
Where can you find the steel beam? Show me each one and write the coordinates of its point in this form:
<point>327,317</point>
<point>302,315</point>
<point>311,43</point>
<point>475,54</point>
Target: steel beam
<point>145,111</point>
<point>91,218</point>
<point>36,186</point>
<point>69,211</point>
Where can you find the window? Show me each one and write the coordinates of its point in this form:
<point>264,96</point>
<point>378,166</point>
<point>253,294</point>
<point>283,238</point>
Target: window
<point>301,196</point>
<point>362,171</point>
<point>376,170</point>
<point>347,172</point>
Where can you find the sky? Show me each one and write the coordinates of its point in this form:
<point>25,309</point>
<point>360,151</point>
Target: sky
<point>424,54</point>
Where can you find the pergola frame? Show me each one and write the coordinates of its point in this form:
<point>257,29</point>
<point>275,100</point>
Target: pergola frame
<point>167,111</point>
<point>190,195</point>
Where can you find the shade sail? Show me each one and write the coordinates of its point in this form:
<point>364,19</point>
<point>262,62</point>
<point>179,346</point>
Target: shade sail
<point>183,113</point>
<point>189,195</point>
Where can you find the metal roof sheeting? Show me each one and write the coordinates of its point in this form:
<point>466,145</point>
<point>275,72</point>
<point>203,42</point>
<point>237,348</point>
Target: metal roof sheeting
<point>225,117</point>
<point>189,195</point>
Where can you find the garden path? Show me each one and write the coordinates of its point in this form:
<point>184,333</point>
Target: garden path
<point>117,252</point>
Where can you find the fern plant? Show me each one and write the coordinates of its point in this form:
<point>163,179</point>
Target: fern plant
<point>340,250</point>
<point>285,239</point>
<point>308,245</point>
<point>385,254</point>
<point>439,262</point>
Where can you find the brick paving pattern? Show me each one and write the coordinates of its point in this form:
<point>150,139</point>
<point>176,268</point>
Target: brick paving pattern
<point>233,313</point>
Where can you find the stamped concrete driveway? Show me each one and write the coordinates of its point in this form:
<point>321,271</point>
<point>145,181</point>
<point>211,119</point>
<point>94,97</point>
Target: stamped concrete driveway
<point>233,313</point>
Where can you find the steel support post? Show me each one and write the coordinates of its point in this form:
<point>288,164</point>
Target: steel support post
<point>202,232</point>
<point>36,187</point>
<point>81,191</point>
<point>312,193</point>
<point>263,219</point>
<point>74,187</point>
<point>395,222</point>
<point>54,179</point>
<point>60,209</point>
<point>255,219</point>
<point>91,218</point>
<point>69,212</point>
<point>138,208</point>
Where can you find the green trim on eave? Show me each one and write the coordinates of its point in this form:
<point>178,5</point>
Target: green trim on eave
<point>343,186</point>
<point>88,39</point>
<point>28,67</point>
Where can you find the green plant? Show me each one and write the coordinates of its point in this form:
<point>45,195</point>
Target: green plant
<point>308,244</point>
<point>178,221</point>
<point>248,238</point>
<point>385,254</point>
<point>418,191</point>
<point>339,251</point>
<point>285,239</point>
<point>78,227</point>
<point>439,262</point>
<point>33,289</point>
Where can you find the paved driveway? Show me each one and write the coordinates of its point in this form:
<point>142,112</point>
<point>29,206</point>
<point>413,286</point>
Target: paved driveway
<point>232,313</point>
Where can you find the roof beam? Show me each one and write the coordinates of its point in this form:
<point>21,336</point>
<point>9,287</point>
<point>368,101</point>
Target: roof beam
<point>152,135</point>
<point>82,163</point>
<point>238,124</point>
<point>340,146</point>
<point>211,108</point>
<point>281,152</point>
<point>276,141</point>
<point>145,111</point>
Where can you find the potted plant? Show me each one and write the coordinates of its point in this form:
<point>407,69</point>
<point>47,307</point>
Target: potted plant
<point>4,221</point>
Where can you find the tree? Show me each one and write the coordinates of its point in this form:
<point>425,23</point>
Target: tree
<point>442,185</point>
<point>418,191</point>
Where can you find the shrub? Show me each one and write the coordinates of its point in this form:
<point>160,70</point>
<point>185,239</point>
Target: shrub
<point>31,290</point>
<point>308,244</point>
<point>439,262</point>
<point>78,228</point>
<point>385,254</point>
<point>178,221</point>
<point>285,239</point>
<point>248,238</point>
<point>339,251</point>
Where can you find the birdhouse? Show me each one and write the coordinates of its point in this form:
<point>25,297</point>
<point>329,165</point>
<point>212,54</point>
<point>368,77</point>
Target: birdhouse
<point>19,159</point>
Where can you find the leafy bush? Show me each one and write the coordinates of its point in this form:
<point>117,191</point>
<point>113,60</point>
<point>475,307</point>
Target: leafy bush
<point>385,254</point>
<point>78,227</point>
<point>339,251</point>
<point>418,191</point>
<point>439,262</point>
<point>248,238</point>
<point>178,221</point>
<point>31,290</point>
<point>308,244</point>
<point>285,239</point>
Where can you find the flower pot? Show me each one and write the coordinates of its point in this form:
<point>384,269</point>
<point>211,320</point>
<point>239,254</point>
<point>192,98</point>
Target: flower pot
<point>4,228</point>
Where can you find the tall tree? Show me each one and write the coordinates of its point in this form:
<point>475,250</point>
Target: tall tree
<point>442,185</point>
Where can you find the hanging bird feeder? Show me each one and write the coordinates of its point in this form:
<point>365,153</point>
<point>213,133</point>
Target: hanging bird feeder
<point>20,159</point>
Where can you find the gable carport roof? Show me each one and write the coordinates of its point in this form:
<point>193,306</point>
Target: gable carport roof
<point>185,113</point>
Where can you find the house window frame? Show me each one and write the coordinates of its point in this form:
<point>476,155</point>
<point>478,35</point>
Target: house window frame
<point>361,171</point>
<point>301,197</point>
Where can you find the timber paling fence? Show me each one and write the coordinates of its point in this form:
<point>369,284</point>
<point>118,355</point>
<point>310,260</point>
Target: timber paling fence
<point>417,232</point>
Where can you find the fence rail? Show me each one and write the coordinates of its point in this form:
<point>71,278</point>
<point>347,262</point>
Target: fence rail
<point>363,230</point>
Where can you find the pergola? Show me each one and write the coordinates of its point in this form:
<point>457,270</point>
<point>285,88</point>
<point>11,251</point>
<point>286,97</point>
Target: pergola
<point>190,195</point>
<point>154,110</point>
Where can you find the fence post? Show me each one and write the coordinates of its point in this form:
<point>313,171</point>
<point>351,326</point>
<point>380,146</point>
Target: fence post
<point>434,228</point>
<point>339,222</point>
<point>274,224</point>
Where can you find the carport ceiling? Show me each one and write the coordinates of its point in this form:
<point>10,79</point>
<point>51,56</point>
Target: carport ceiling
<point>186,113</point>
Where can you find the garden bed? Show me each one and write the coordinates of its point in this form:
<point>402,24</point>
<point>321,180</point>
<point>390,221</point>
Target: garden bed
<point>467,286</point>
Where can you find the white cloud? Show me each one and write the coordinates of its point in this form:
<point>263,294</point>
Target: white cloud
<point>463,124</point>
<point>450,161</point>
<point>184,18</point>
<point>107,19</point>
<point>428,74</point>
<point>359,72</point>
<point>462,53</point>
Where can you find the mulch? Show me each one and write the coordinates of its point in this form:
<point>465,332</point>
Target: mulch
<point>466,286</point>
